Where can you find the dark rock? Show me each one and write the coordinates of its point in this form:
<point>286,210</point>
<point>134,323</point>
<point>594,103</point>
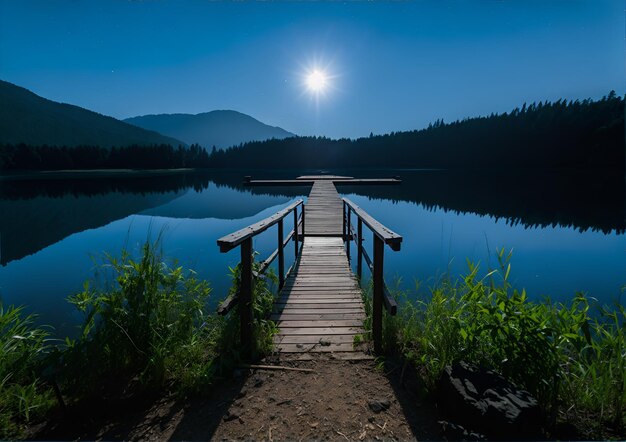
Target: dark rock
<point>257,382</point>
<point>485,401</point>
<point>457,432</point>
<point>379,405</point>
<point>241,394</point>
<point>230,416</point>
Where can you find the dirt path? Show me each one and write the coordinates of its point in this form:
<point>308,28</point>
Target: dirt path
<point>339,400</point>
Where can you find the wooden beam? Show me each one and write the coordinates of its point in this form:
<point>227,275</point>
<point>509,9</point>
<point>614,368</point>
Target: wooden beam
<point>232,240</point>
<point>388,236</point>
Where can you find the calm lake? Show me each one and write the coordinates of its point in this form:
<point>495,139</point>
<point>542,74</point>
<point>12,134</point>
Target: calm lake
<point>566,230</point>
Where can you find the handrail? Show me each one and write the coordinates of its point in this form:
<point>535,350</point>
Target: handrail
<point>232,240</point>
<point>389,237</point>
<point>243,238</point>
<point>381,235</point>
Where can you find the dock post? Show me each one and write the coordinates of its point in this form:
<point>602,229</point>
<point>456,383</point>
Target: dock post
<point>349,230</point>
<point>359,249</point>
<point>377,302</point>
<point>281,256</point>
<point>245,297</point>
<point>295,231</point>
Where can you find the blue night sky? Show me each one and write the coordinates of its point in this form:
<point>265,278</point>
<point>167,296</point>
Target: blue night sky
<point>394,66</point>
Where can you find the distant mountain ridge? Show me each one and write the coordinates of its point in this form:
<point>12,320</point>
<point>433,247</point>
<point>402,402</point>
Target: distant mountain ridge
<point>25,117</point>
<point>219,128</point>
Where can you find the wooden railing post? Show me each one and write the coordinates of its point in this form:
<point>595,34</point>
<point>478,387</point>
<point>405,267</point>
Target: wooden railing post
<point>359,248</point>
<point>377,302</point>
<point>281,256</point>
<point>295,230</point>
<point>245,296</point>
<point>344,220</point>
<point>303,212</point>
<point>349,229</point>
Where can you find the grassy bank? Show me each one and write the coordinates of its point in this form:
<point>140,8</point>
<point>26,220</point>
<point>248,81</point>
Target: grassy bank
<point>147,332</point>
<point>570,356</point>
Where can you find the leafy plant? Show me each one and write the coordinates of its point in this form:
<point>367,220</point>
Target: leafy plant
<point>24,397</point>
<point>572,361</point>
<point>150,326</point>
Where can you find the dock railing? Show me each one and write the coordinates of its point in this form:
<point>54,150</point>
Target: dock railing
<point>382,236</point>
<point>243,238</point>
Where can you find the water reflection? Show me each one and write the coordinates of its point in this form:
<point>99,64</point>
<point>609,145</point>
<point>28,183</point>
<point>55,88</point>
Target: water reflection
<point>50,228</point>
<point>38,213</point>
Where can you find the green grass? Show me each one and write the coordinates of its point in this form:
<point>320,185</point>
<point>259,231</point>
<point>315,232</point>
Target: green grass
<point>24,397</point>
<point>151,326</point>
<point>569,358</point>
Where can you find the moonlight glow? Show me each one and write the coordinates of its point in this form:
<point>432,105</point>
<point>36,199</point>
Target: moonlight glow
<point>317,81</point>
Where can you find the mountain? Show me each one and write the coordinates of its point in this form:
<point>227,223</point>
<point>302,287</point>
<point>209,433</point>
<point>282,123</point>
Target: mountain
<point>28,118</point>
<point>220,128</point>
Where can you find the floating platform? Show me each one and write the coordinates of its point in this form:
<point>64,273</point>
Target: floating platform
<point>308,180</point>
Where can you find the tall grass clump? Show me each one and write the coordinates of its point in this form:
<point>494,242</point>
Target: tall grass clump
<point>150,328</point>
<point>264,328</point>
<point>24,397</point>
<point>572,360</point>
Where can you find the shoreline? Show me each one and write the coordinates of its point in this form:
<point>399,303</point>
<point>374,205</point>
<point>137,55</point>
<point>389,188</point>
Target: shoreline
<point>92,173</point>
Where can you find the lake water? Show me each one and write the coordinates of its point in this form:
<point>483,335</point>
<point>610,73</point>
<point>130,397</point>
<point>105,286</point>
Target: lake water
<point>566,230</point>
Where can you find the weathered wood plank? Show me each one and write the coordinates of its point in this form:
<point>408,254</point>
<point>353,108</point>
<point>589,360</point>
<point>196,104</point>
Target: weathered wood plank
<point>317,348</point>
<point>321,331</point>
<point>229,242</point>
<point>316,317</point>
<point>320,323</point>
<point>387,235</point>
<point>314,339</point>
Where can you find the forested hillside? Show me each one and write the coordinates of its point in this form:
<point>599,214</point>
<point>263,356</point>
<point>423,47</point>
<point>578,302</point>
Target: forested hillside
<point>543,135</point>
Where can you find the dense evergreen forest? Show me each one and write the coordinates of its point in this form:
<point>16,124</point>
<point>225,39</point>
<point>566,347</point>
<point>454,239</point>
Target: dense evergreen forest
<point>544,135</point>
<point>164,156</point>
<point>561,134</point>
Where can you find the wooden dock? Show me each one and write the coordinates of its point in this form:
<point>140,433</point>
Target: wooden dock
<point>319,307</point>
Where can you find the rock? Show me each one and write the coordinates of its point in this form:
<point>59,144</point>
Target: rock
<point>457,432</point>
<point>324,343</point>
<point>379,405</point>
<point>257,382</point>
<point>485,401</point>
<point>230,416</point>
<point>371,419</point>
<point>241,394</point>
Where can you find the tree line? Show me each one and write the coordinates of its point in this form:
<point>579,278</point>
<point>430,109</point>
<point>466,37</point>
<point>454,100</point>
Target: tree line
<point>561,134</point>
<point>163,156</point>
<point>544,135</point>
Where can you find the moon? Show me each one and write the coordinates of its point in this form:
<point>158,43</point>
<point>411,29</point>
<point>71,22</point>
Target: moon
<point>317,81</point>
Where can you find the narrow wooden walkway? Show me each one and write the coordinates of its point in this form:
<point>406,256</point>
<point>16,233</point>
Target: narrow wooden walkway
<point>323,211</point>
<point>320,308</point>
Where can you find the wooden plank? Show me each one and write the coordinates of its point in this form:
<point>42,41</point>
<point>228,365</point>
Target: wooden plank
<point>312,300</point>
<point>314,339</point>
<point>318,305</point>
<point>320,323</point>
<point>232,240</point>
<point>323,295</point>
<point>299,310</point>
<point>388,236</point>
<point>316,317</point>
<point>321,331</point>
<point>314,348</point>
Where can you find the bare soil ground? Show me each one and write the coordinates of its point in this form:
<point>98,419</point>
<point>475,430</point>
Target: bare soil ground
<point>338,400</point>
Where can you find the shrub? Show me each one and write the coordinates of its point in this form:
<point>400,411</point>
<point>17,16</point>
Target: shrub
<point>150,326</point>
